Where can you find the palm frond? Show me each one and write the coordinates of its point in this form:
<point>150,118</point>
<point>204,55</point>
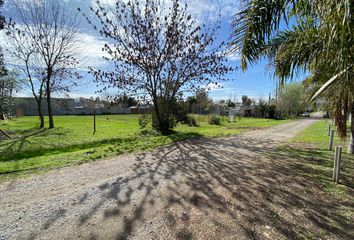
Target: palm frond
<point>335,78</point>
<point>254,25</point>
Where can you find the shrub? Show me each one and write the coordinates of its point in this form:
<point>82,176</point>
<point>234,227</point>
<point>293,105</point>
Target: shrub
<point>191,121</point>
<point>214,120</point>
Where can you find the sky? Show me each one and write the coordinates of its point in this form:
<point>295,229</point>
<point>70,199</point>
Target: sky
<point>257,82</point>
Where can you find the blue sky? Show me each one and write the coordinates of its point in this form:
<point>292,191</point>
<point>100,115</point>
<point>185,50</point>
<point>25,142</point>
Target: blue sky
<point>256,82</point>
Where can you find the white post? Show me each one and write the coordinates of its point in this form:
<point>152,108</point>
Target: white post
<point>330,147</point>
<point>339,156</point>
<point>335,164</point>
<point>329,129</point>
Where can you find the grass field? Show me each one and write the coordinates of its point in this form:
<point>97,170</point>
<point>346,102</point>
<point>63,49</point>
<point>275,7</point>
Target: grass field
<point>310,148</point>
<point>73,142</point>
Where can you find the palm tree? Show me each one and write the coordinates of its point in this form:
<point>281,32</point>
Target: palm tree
<point>319,39</point>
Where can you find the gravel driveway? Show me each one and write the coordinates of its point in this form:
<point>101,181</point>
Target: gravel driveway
<point>224,188</point>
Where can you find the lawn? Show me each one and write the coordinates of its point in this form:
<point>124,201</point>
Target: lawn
<point>310,149</point>
<point>73,142</point>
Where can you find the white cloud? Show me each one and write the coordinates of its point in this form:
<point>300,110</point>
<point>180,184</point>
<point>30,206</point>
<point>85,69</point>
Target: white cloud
<point>234,57</point>
<point>90,51</point>
<point>201,9</point>
<point>209,10</point>
<point>214,87</point>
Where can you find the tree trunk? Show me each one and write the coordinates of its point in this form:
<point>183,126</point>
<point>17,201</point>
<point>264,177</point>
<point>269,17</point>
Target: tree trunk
<point>50,113</point>
<point>49,102</point>
<point>2,99</point>
<point>351,142</point>
<point>40,113</point>
<point>158,115</point>
<point>39,110</point>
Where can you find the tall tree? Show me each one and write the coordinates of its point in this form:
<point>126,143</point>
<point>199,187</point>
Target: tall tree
<point>49,31</point>
<point>291,100</point>
<point>2,24</point>
<point>202,100</point>
<point>158,51</point>
<point>24,53</point>
<point>246,101</point>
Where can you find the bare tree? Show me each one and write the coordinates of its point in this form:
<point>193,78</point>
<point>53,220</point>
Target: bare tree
<point>44,41</point>
<point>24,53</point>
<point>158,51</point>
<point>2,24</point>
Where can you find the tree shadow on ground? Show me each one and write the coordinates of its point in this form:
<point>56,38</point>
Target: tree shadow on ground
<point>15,146</point>
<point>215,188</point>
<point>15,150</point>
<point>226,184</point>
<point>320,163</point>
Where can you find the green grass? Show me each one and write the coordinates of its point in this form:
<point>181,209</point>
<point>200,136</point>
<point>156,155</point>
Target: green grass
<point>318,134</point>
<point>307,155</point>
<point>73,142</point>
<point>311,146</point>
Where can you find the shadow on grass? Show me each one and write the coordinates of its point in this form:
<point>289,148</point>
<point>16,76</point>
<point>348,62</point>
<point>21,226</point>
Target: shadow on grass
<point>319,163</point>
<point>10,153</point>
<point>95,149</point>
<point>180,136</point>
<point>11,147</point>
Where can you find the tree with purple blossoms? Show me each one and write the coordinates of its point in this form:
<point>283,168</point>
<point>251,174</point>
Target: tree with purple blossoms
<point>157,51</point>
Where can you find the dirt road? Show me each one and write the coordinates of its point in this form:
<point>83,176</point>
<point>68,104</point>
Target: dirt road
<point>223,188</point>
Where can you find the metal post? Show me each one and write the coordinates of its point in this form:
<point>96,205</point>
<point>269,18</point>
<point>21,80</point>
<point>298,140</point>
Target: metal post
<point>335,164</point>
<point>94,121</point>
<point>339,156</point>
<point>330,147</point>
<point>329,129</point>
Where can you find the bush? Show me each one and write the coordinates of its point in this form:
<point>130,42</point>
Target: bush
<point>191,121</point>
<point>170,114</point>
<point>166,122</point>
<point>214,120</point>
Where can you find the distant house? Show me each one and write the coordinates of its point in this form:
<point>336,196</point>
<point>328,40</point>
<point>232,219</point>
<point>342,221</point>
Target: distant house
<point>141,109</point>
<point>241,110</point>
<point>66,106</point>
<point>28,106</point>
<point>247,111</point>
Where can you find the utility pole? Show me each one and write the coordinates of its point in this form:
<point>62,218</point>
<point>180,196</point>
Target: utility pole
<point>270,96</point>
